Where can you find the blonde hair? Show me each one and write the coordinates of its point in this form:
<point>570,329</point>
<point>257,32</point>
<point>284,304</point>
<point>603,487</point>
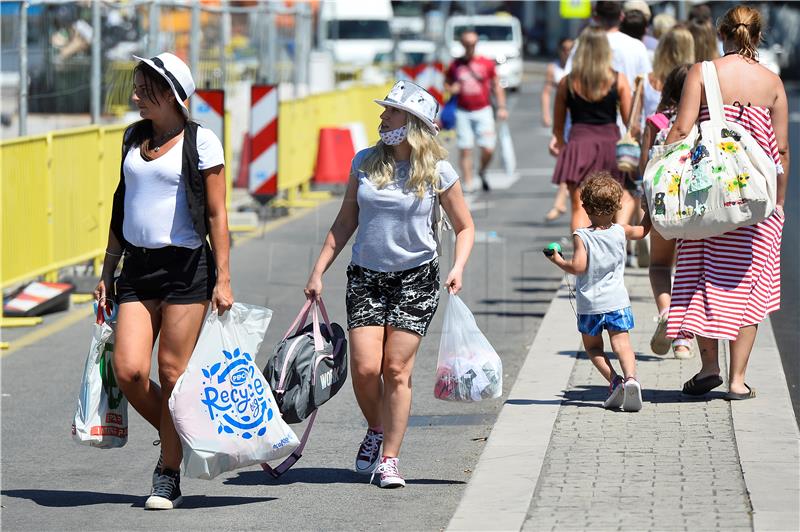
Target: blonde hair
<point>705,40</point>
<point>675,47</point>
<point>591,66</point>
<point>662,23</point>
<point>426,152</point>
<point>742,26</point>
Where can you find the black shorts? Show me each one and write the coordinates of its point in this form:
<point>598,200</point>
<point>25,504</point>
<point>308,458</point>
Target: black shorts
<point>405,300</point>
<point>171,274</point>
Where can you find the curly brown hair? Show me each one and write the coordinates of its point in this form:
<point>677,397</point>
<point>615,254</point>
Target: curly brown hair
<point>601,194</point>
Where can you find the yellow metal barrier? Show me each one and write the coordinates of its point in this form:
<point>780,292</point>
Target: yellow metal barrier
<point>56,189</point>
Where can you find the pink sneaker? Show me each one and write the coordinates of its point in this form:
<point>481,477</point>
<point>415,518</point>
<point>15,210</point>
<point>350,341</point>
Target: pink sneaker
<point>369,452</point>
<point>390,476</point>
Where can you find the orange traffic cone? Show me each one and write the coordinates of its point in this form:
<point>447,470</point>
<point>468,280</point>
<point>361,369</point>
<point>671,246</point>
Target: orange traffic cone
<point>334,154</point>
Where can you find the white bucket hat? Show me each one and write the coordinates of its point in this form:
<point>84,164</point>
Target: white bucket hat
<point>412,98</point>
<point>176,72</point>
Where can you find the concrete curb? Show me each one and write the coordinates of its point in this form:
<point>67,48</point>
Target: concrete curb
<point>767,438</point>
<point>499,494</point>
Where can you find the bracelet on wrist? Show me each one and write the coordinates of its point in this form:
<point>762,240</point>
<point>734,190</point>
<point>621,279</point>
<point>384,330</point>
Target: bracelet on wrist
<point>111,254</point>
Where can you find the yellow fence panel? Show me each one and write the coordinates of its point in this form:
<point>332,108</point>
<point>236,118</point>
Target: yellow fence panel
<point>76,193</point>
<point>111,153</point>
<point>25,208</point>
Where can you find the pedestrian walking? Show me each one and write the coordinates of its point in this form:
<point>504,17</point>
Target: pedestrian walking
<point>630,57</point>
<point>591,93</point>
<point>726,285</point>
<point>598,262</point>
<point>472,79</point>
<point>676,47</point>
<point>392,198</point>
<point>662,251</point>
<point>555,72</point>
<point>170,197</point>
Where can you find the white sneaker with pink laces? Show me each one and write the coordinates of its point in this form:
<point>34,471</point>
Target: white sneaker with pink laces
<point>390,476</point>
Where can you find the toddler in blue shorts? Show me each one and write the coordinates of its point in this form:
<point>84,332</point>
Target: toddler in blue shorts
<point>598,262</point>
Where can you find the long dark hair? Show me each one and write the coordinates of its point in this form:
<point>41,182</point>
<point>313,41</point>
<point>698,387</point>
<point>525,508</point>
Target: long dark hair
<point>673,87</point>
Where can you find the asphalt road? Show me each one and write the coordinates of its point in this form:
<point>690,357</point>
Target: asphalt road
<point>50,483</point>
<point>786,322</point>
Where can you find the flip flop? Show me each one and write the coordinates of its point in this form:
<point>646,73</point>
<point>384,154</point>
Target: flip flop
<point>695,386</point>
<point>731,396</point>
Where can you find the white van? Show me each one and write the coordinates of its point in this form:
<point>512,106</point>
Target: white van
<point>500,38</point>
<point>354,31</point>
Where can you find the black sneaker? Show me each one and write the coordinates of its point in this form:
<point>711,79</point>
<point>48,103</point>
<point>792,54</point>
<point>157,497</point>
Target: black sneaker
<point>166,493</point>
<point>369,452</point>
<point>159,465</point>
<point>485,183</point>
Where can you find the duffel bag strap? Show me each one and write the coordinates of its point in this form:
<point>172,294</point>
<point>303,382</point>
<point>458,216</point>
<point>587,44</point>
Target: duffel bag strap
<point>292,459</point>
<point>300,321</point>
<point>325,316</point>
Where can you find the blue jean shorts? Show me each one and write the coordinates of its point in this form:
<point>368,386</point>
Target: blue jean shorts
<point>617,320</point>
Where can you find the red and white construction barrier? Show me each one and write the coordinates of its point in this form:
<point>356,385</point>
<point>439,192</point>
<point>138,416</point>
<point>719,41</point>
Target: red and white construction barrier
<point>263,140</point>
<point>429,76</point>
<point>208,108</point>
<point>38,298</point>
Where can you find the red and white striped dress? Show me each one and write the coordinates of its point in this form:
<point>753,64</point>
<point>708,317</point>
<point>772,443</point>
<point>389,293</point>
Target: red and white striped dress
<point>727,282</point>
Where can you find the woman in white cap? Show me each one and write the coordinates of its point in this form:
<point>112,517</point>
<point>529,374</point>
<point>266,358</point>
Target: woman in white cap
<point>170,198</point>
<point>393,278</point>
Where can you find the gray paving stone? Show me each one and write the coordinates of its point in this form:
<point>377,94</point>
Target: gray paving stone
<point>672,466</point>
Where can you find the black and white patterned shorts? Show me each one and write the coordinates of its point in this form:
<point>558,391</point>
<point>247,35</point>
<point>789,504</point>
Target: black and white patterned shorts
<point>406,300</point>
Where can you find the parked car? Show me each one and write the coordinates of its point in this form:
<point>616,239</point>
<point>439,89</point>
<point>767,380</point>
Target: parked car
<point>500,38</point>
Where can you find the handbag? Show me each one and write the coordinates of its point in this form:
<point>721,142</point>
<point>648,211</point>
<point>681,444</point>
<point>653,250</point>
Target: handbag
<point>716,179</point>
<point>628,150</point>
<point>223,408</point>
<point>307,368</point>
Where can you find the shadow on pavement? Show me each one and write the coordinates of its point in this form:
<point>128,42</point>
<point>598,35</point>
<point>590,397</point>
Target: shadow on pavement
<point>67,499</point>
<point>70,499</point>
<point>319,475</point>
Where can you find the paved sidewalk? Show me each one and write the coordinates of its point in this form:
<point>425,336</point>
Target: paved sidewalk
<point>680,464</point>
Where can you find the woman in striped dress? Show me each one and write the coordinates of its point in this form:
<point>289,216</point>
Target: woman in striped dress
<point>726,285</point>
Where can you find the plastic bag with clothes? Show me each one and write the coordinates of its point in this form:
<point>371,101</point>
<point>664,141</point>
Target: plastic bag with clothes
<point>468,368</point>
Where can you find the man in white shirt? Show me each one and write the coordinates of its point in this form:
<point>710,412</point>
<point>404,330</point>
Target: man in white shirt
<point>629,55</point>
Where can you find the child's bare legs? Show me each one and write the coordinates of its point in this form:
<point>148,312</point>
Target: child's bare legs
<point>594,348</point>
<point>621,344</point>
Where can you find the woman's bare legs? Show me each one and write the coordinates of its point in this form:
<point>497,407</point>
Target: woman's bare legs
<point>579,216</point>
<point>137,326</point>
<point>366,352</point>
<point>709,356</point>
<point>559,203</point>
<point>740,354</point>
<point>398,363</point>
<point>180,328</point>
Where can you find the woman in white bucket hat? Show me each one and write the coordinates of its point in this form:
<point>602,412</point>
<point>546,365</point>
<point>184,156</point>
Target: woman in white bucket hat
<point>170,198</point>
<point>393,278</point>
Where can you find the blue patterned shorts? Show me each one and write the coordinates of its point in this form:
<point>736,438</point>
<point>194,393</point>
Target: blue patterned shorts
<point>616,320</point>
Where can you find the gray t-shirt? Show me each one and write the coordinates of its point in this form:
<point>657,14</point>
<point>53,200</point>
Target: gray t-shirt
<point>601,288</point>
<point>395,226</point>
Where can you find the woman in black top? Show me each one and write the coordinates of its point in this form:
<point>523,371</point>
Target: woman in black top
<point>592,92</point>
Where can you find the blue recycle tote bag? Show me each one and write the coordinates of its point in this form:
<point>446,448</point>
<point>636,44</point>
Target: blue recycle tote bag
<point>222,406</point>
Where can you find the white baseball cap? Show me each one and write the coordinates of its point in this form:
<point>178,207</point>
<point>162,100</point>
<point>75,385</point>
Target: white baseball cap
<point>412,98</point>
<point>176,72</point>
<point>638,5</point>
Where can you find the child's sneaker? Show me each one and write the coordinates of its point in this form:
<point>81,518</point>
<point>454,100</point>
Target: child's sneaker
<point>390,476</point>
<point>633,395</point>
<point>166,493</point>
<point>369,452</point>
<point>616,393</point>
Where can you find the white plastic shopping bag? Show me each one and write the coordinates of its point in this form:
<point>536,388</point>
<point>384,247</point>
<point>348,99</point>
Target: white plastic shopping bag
<point>507,148</point>
<point>468,368</point>
<point>222,406</point>
<point>101,415</point>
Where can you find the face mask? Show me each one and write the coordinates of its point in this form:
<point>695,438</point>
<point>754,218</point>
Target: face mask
<point>395,136</point>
